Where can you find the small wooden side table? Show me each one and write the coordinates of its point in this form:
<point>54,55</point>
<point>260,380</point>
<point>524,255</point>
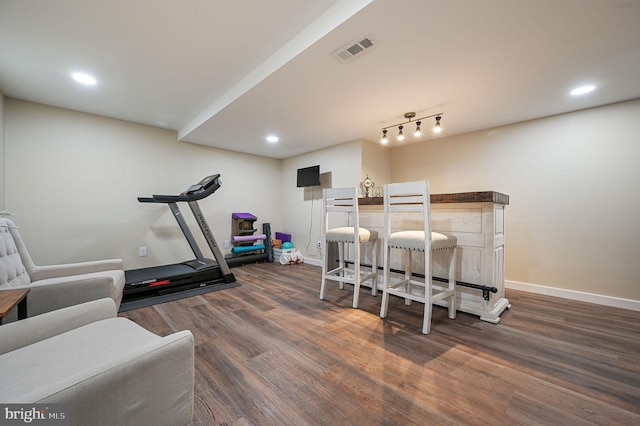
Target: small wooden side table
<point>9,299</point>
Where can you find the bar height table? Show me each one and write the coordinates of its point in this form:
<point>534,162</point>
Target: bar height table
<point>477,219</point>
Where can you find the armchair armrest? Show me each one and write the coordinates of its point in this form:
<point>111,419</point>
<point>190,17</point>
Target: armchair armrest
<point>22,333</point>
<point>151,385</point>
<point>56,271</point>
<point>56,293</point>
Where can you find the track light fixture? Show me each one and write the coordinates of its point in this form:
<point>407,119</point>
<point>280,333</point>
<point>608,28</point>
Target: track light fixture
<point>410,116</point>
<point>437,128</point>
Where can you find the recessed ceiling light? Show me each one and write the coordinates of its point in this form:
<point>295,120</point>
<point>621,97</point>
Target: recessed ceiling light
<point>272,138</point>
<point>582,90</point>
<point>83,78</point>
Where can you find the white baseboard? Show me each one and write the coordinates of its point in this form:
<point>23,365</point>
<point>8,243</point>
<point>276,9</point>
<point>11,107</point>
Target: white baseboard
<point>315,262</point>
<point>615,302</point>
<point>599,299</point>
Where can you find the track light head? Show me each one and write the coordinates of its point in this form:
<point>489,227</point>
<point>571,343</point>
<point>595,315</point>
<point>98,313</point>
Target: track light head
<point>418,132</point>
<point>384,137</point>
<point>437,128</point>
<point>400,134</point>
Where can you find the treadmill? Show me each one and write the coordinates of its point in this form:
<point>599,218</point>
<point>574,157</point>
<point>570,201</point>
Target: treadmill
<point>193,274</point>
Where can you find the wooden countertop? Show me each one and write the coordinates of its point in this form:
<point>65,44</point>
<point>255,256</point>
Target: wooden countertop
<point>458,197</point>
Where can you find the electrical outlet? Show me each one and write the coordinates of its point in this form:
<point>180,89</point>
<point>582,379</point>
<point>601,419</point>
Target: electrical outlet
<point>227,244</point>
<point>319,245</point>
<point>143,251</point>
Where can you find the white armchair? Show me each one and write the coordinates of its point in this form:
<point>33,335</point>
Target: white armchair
<point>103,369</point>
<point>57,286</point>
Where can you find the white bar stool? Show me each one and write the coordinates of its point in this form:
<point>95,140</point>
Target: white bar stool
<point>345,200</point>
<point>401,203</point>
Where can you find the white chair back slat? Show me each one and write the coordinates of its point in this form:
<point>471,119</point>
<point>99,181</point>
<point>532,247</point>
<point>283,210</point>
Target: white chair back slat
<point>408,208</point>
<point>343,209</point>
<point>404,188</point>
<point>339,193</point>
<point>408,199</point>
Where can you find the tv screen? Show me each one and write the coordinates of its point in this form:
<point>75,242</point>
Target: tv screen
<point>308,176</point>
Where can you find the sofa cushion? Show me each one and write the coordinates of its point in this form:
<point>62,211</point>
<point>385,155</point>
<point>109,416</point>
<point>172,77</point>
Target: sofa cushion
<point>69,358</point>
<point>346,234</point>
<point>414,240</point>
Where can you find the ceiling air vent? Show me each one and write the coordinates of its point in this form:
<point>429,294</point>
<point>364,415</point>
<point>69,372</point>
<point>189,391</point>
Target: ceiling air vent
<point>352,49</point>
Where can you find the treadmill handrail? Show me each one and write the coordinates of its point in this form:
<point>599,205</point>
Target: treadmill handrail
<point>186,196</point>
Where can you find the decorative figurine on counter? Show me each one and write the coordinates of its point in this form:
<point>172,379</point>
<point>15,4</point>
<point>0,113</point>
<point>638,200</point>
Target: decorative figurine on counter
<point>366,185</point>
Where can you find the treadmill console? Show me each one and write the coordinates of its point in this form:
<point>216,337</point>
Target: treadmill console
<point>210,180</point>
<point>200,190</point>
<point>204,184</point>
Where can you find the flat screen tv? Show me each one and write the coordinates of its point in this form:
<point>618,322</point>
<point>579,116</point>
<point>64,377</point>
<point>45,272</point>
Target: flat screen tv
<point>308,176</point>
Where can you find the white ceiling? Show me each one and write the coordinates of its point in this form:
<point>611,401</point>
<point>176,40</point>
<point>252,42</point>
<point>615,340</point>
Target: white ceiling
<point>227,73</point>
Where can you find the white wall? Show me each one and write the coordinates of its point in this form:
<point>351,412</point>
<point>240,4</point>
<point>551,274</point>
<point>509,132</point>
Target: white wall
<point>73,180</point>
<point>572,222</point>
<point>376,162</point>
<point>302,207</point>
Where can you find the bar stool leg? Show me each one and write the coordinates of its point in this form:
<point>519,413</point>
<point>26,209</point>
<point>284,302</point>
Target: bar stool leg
<point>356,269</point>
<point>341,263</point>
<point>384,305</point>
<point>374,269</point>
<point>325,268</point>
<point>452,282</point>
<point>428,292</point>
<point>426,319</point>
<point>406,259</point>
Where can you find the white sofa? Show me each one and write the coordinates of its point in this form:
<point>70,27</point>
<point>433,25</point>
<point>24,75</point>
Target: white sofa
<point>57,286</point>
<point>105,370</point>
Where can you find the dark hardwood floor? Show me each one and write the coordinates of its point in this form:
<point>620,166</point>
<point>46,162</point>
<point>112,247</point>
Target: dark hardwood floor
<point>269,352</point>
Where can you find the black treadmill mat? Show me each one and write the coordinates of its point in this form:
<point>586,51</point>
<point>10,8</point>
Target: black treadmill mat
<point>158,272</point>
<point>163,298</point>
